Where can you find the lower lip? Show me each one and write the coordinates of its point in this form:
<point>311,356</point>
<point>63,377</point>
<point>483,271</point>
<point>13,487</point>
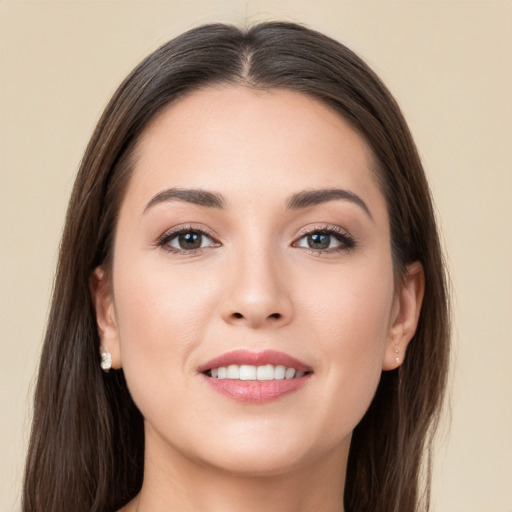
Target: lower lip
<point>255,391</point>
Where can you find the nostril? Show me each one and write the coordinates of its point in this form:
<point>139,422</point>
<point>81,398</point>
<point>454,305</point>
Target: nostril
<point>238,315</point>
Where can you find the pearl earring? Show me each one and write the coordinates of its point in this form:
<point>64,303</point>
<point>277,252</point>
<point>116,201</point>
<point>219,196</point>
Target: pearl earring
<point>397,359</point>
<point>106,360</point>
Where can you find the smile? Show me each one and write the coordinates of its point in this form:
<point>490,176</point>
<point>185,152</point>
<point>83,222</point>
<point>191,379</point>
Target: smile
<point>250,372</point>
<point>255,377</point>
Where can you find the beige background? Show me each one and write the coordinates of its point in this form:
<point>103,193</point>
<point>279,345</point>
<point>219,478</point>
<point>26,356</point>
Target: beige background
<point>450,66</point>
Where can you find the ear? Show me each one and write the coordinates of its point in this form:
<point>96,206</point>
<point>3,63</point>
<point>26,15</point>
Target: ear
<point>405,315</point>
<point>103,300</point>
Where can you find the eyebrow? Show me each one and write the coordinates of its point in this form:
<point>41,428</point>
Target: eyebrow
<point>303,199</point>
<point>308,198</point>
<point>194,196</point>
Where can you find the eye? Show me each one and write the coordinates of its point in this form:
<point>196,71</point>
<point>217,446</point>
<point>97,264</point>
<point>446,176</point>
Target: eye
<point>325,240</point>
<point>186,240</point>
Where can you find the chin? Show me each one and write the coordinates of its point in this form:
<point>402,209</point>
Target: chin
<point>263,463</point>
<point>270,453</point>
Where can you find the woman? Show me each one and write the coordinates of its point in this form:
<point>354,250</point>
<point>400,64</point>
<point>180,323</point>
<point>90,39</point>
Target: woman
<point>250,253</point>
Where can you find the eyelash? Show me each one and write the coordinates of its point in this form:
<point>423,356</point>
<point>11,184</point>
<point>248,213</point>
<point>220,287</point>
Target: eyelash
<point>347,242</point>
<point>168,236</point>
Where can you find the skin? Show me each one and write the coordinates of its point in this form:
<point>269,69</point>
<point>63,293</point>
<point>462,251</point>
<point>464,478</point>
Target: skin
<point>255,285</point>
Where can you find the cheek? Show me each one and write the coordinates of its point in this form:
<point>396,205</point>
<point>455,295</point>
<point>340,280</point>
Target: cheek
<point>160,316</point>
<point>352,308</point>
<point>352,326</point>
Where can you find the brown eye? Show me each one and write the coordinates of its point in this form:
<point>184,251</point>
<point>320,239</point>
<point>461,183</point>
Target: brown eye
<point>189,240</point>
<point>326,240</point>
<point>186,240</point>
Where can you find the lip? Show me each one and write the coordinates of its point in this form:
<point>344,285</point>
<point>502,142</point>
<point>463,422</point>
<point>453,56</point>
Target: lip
<point>255,359</point>
<point>254,391</point>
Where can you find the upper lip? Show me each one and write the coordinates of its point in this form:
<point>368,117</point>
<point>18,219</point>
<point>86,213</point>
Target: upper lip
<point>240,357</point>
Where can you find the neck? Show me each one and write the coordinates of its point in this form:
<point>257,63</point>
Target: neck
<point>175,482</point>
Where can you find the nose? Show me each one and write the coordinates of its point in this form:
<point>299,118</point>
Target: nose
<point>258,294</point>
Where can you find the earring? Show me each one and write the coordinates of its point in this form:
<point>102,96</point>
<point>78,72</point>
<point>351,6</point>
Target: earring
<point>397,359</point>
<point>106,360</point>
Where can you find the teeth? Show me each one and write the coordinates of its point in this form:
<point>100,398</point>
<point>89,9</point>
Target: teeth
<point>265,372</point>
<point>249,372</point>
<point>233,372</point>
<point>279,372</point>
<point>290,373</point>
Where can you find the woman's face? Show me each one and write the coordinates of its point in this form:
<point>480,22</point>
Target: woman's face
<point>252,241</point>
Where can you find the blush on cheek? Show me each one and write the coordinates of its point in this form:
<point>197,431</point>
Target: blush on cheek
<point>160,320</point>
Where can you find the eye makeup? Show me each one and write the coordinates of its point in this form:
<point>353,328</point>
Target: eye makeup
<point>192,239</point>
<point>187,240</point>
<point>329,239</point>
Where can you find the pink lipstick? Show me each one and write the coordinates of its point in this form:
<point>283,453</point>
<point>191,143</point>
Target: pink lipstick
<point>255,377</point>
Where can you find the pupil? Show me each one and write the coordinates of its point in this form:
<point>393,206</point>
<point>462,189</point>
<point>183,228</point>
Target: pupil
<point>189,240</point>
<point>319,241</point>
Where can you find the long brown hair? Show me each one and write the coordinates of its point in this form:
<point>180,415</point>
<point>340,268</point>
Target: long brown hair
<point>87,444</point>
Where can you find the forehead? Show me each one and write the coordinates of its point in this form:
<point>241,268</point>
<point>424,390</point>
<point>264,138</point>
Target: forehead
<point>243,141</point>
